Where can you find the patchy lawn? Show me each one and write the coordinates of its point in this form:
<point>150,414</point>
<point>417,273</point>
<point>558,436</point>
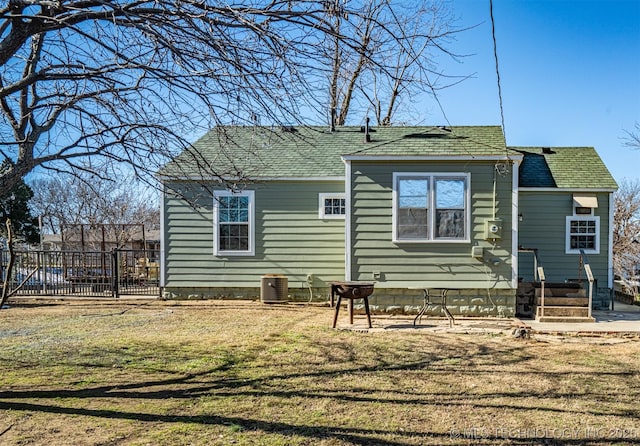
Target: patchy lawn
<point>243,373</point>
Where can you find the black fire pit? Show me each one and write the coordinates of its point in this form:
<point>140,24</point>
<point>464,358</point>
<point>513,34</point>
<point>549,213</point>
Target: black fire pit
<point>351,291</point>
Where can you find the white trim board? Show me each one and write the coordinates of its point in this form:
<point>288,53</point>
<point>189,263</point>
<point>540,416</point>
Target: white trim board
<point>431,158</point>
<point>347,222</point>
<point>515,206</point>
<point>564,189</point>
<point>251,180</point>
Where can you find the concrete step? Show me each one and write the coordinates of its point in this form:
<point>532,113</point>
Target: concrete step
<point>563,311</point>
<point>564,301</point>
<point>569,319</point>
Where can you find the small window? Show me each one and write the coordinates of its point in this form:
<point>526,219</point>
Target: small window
<point>583,211</point>
<point>583,233</point>
<point>233,223</point>
<point>331,206</point>
<point>430,207</point>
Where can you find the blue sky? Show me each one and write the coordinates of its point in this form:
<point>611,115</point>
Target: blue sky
<point>570,74</point>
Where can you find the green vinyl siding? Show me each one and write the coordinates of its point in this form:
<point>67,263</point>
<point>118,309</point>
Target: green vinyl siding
<point>406,264</point>
<point>290,238</point>
<point>543,227</point>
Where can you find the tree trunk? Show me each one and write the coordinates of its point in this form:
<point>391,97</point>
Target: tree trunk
<point>9,270</point>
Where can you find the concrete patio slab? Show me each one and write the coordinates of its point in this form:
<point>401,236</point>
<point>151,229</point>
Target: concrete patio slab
<point>624,321</point>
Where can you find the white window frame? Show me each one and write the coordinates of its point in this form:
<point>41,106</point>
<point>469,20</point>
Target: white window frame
<point>321,208</point>
<point>431,216</point>
<point>568,234</point>
<point>216,223</point>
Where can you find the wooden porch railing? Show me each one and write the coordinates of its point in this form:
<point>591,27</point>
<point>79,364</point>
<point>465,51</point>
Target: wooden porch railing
<point>538,273</point>
<point>584,265</point>
<point>541,278</point>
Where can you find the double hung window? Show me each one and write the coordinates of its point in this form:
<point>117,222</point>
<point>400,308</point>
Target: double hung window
<point>430,207</point>
<point>234,223</point>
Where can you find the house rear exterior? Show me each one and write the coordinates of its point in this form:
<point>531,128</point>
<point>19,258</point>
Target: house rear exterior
<point>406,207</point>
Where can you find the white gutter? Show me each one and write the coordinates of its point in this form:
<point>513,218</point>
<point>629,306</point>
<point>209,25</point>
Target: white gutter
<point>432,158</point>
<point>566,189</point>
<point>252,179</point>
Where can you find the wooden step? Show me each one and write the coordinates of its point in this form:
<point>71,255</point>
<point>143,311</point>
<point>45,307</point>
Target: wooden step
<point>563,311</point>
<point>564,301</point>
<point>559,285</point>
<point>564,319</point>
<point>561,292</point>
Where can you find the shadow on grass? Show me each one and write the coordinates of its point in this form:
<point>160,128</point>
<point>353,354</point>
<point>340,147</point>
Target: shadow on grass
<point>351,435</point>
<point>345,358</point>
<point>219,383</point>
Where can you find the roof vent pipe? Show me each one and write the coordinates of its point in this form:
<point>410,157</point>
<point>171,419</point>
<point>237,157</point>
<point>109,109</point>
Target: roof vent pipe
<point>367,135</point>
<point>333,119</point>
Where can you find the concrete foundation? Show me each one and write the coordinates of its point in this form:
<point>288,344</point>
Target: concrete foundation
<point>475,302</point>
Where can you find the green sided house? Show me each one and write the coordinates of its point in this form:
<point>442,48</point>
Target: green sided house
<point>408,208</point>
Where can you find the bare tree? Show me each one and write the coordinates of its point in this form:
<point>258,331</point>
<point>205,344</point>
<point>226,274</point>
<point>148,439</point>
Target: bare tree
<point>67,200</point>
<point>626,233</point>
<point>633,137</point>
<point>130,81</point>
<point>133,81</point>
<point>390,57</point>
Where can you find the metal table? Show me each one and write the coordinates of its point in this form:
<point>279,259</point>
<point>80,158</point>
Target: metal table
<point>441,293</point>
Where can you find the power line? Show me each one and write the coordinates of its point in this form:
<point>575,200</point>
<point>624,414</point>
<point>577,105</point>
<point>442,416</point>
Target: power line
<point>495,55</point>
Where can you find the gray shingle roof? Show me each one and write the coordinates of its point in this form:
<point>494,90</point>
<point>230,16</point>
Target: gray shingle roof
<point>461,141</point>
<point>564,167</point>
<point>299,152</point>
<point>314,151</point>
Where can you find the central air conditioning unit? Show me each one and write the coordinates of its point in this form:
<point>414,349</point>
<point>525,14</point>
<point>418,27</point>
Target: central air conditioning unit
<point>274,288</point>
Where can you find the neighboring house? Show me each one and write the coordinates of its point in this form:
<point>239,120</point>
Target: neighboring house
<point>134,238</point>
<point>405,207</point>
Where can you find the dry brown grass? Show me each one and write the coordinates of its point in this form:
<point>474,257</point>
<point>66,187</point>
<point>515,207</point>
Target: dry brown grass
<point>209,373</point>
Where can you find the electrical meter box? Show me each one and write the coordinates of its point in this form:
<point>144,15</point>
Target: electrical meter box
<point>493,229</point>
